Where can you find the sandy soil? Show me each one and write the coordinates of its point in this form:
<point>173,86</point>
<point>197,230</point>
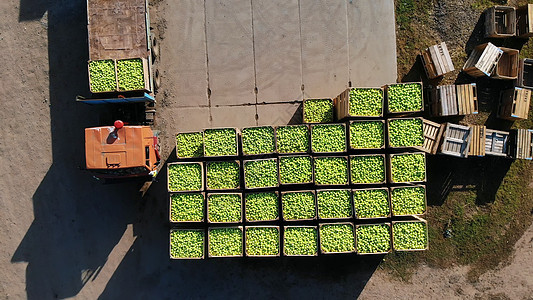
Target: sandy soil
<point>63,235</point>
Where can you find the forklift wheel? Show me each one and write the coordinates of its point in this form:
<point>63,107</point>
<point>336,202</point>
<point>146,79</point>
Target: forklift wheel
<point>157,80</point>
<point>155,48</point>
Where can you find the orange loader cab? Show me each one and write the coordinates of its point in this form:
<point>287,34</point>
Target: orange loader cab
<point>121,151</point>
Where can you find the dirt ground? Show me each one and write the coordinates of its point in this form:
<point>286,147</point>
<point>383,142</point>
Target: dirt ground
<point>64,235</point>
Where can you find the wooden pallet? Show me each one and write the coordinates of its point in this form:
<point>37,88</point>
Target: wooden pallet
<point>496,142</point>
<point>525,73</point>
<point>432,136</point>
<point>500,22</point>
<point>524,21</point>
<point>483,60</point>
<point>521,144</point>
<point>514,104</point>
<point>437,61</point>
<point>507,66</point>
<point>467,99</point>
<point>456,140</point>
<point>477,144</point>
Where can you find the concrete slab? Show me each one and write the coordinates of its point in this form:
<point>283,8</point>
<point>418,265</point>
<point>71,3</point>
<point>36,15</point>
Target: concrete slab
<point>233,116</point>
<point>324,47</point>
<point>279,114</point>
<point>277,50</point>
<point>230,52</point>
<point>192,119</point>
<point>371,43</point>
<point>187,57</point>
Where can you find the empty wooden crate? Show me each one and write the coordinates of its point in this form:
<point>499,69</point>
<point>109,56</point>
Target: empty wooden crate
<point>514,104</point>
<point>437,61</point>
<point>496,142</point>
<point>450,100</point>
<point>525,73</point>
<point>524,21</point>
<point>500,22</point>
<point>483,60</point>
<point>507,66</point>
<point>432,136</point>
<point>521,144</point>
<point>477,142</point>
<point>456,140</point>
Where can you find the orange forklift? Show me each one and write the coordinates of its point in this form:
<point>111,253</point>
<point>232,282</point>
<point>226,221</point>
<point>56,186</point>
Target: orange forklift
<point>122,151</point>
<point>120,30</point>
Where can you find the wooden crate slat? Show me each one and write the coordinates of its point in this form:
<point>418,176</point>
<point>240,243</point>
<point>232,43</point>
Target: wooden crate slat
<point>447,58</point>
<point>436,60</point>
<point>428,64</point>
<point>456,140</point>
<point>496,142</point>
<point>477,145</point>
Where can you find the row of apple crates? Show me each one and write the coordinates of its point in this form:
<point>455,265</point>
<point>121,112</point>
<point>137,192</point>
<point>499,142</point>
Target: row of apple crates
<point>274,241</point>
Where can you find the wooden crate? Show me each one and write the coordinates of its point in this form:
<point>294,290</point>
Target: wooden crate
<point>524,21</point>
<point>432,136</point>
<point>507,66</point>
<point>500,22</point>
<point>525,73</point>
<point>342,104</point>
<point>514,104</point>
<point>437,61</point>
<point>444,100</point>
<point>483,59</point>
<point>521,144</point>
<point>496,142</point>
<point>477,144</point>
<point>456,140</point>
<point>467,99</point>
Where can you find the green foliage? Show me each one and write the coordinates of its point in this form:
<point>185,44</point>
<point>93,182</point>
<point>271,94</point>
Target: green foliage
<point>331,170</point>
<point>295,169</point>
<point>366,135</point>
<point>258,140</point>
<point>262,241</point>
<point>190,144</point>
<point>225,242</point>
<point>261,206</point>
<point>292,139</point>
<point>220,142</point>
<point>224,208</point>
<point>130,74</point>
<point>186,243</point>
<point>334,204</point>
<point>318,111</point>
<point>408,201</point>
<point>261,173</point>
<point>328,138</point>
<point>409,235</point>
<point>371,203</point>
<point>405,97</point>
<point>102,75</point>
<point>184,177</point>
<point>367,169</point>
<point>300,241</point>
<point>373,238</point>
<point>187,207</point>
<point>336,238</point>
<point>298,205</point>
<point>406,133</point>
<point>408,167</point>
<point>365,102</point>
<point>223,175</point>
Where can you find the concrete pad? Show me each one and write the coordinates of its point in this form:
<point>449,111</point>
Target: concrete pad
<point>192,119</point>
<point>184,53</point>
<point>277,50</point>
<point>230,52</point>
<point>324,47</point>
<point>279,114</point>
<point>372,43</point>
<point>233,116</point>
